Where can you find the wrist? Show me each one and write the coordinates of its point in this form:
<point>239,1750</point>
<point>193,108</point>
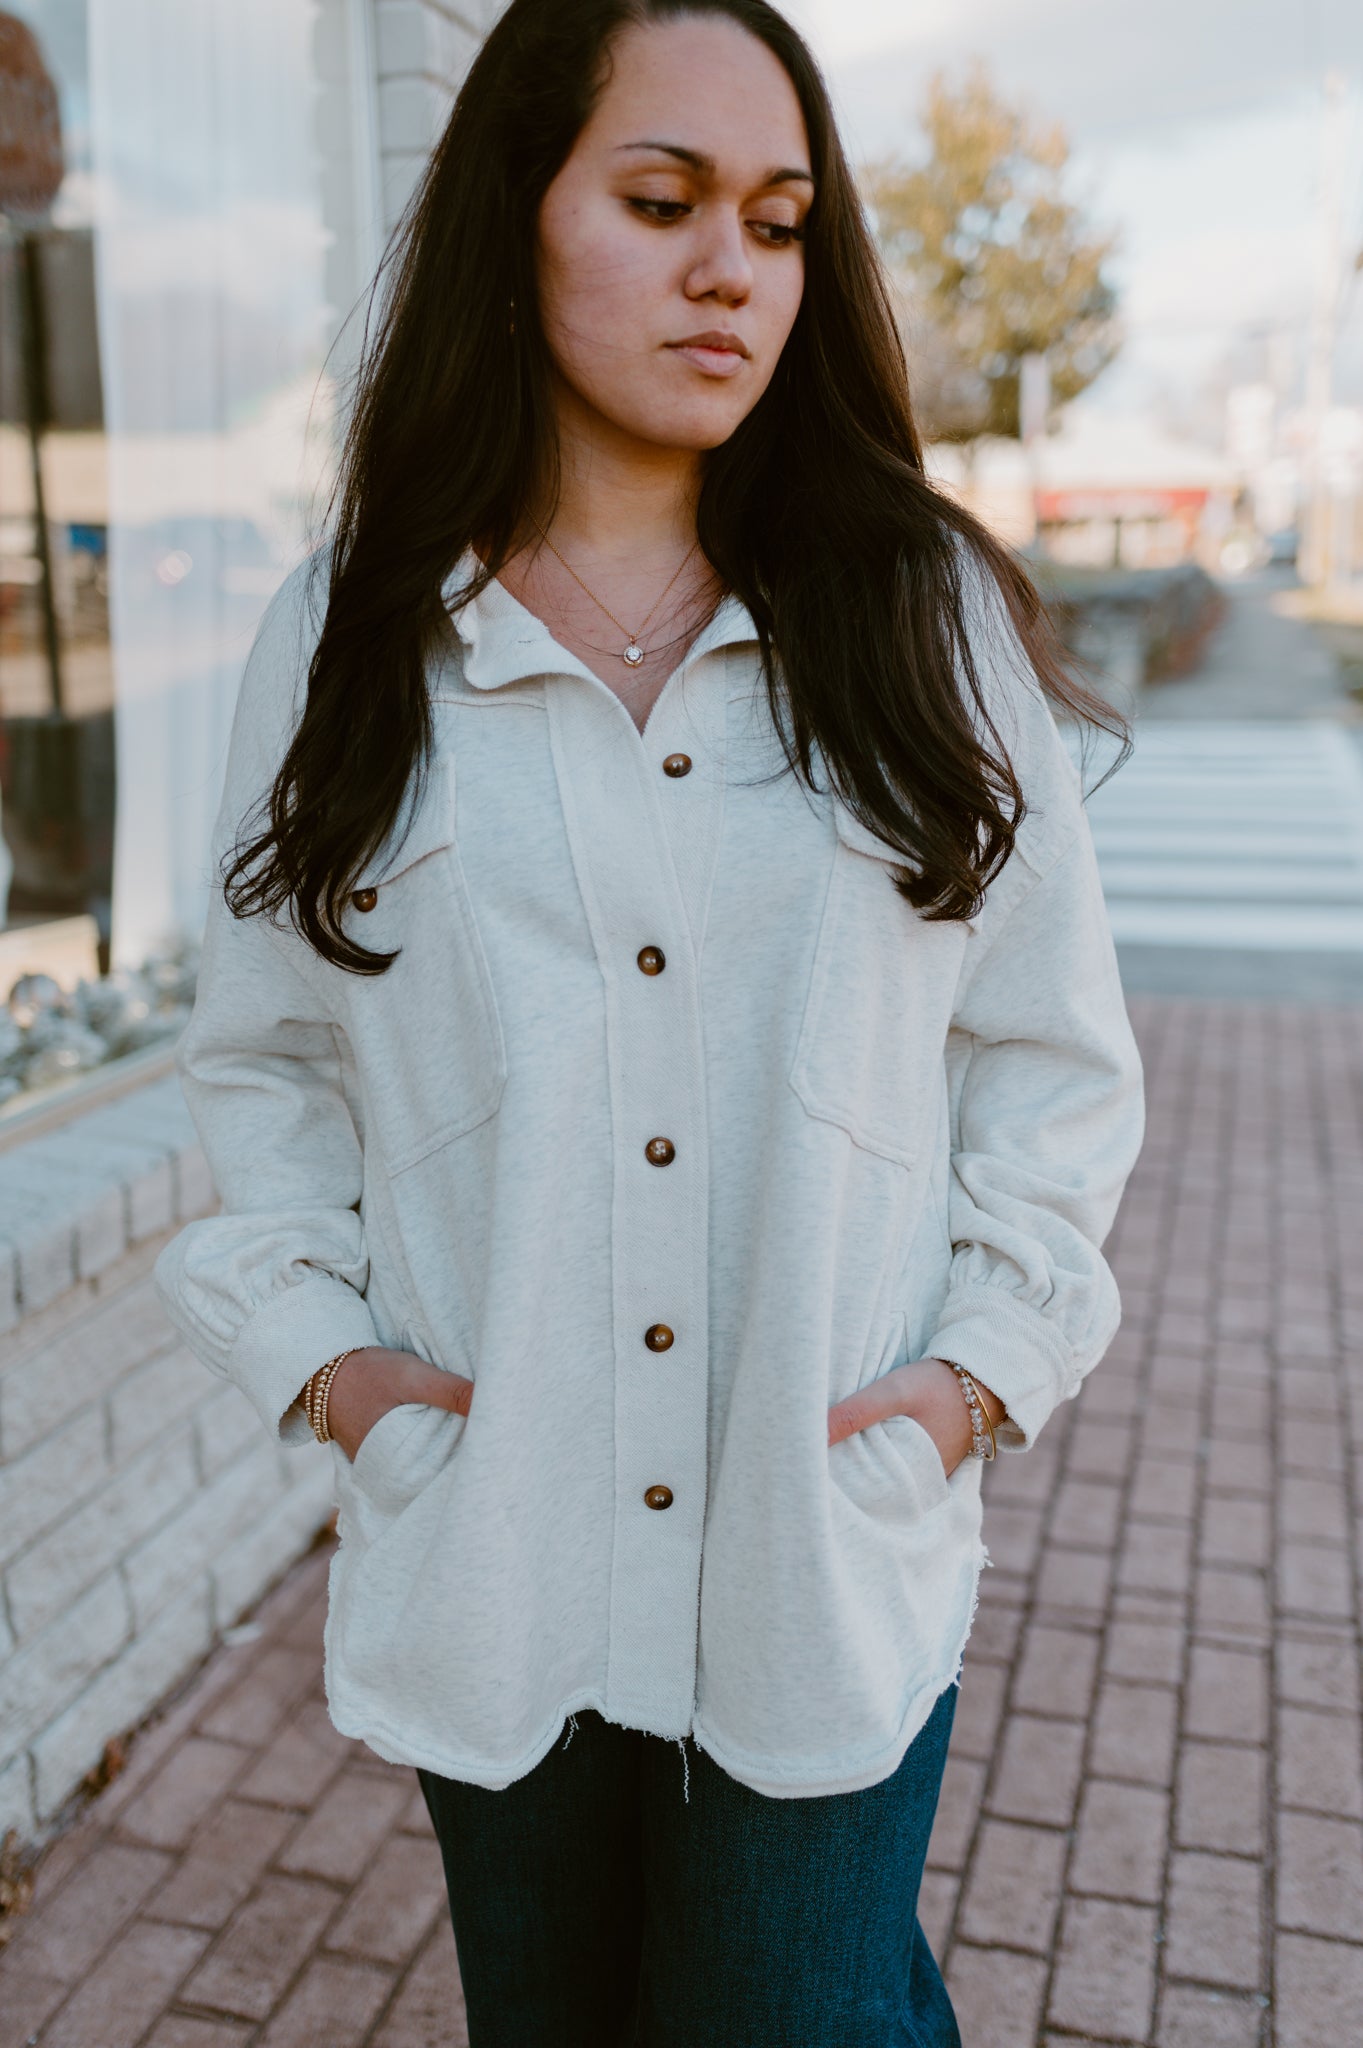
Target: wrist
<point>316,1395</point>
<point>983,1408</point>
<point>994,1408</point>
<point>370,1383</point>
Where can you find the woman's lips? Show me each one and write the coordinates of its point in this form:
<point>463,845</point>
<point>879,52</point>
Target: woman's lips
<point>714,362</point>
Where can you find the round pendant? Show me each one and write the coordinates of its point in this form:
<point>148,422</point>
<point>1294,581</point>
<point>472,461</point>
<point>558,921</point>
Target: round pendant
<point>633,654</point>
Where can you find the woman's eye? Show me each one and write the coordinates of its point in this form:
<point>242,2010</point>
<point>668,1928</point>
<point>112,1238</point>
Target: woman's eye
<point>777,234</point>
<point>664,211</point>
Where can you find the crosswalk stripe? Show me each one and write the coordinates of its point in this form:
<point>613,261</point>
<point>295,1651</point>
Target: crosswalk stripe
<point>1235,834</point>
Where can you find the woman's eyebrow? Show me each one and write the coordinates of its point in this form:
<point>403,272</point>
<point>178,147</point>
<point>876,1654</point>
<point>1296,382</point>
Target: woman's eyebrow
<point>786,174</point>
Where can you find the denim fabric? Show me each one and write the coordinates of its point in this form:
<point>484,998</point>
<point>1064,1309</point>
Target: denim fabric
<point>617,1897</point>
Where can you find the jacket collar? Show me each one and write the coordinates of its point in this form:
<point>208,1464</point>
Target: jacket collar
<point>503,643</point>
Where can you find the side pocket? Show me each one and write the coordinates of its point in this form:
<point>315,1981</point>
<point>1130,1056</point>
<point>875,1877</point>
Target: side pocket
<point>403,1452</point>
<point>920,1459</point>
<point>892,1470</point>
<point>407,1447</point>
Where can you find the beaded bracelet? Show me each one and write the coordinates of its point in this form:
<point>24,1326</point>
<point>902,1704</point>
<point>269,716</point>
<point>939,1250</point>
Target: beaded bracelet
<point>317,1394</point>
<point>981,1428</point>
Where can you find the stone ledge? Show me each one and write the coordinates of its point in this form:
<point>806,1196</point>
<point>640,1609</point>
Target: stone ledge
<point>75,1200</point>
<point>143,1510</point>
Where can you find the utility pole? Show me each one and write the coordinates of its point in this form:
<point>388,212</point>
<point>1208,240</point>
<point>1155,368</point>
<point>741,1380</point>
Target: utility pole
<point>32,167</point>
<point>1319,561</point>
<point>1034,422</point>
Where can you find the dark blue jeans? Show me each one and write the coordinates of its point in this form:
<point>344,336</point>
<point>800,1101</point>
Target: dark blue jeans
<point>596,1907</point>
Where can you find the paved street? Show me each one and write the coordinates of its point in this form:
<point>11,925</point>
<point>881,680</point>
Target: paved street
<point>1152,1825</point>
<point>1231,842</point>
<point>1261,663</point>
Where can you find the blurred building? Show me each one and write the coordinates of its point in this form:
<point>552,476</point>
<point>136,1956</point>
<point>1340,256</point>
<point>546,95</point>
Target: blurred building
<point>1302,475</point>
<point>1104,492</point>
<point>1122,494</point>
<point>174,346</point>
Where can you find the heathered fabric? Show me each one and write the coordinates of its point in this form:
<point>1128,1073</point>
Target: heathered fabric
<point>894,1139</point>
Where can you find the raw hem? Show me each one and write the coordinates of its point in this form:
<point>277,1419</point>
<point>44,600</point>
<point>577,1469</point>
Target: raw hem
<point>755,1774</point>
<point>351,1720</point>
<point>349,1717</point>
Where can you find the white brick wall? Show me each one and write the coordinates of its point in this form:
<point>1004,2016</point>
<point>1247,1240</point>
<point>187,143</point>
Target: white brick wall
<point>142,1508</point>
<point>422,49</point>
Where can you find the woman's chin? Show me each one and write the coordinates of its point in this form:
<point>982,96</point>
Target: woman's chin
<point>701,421</point>
<point>691,433</point>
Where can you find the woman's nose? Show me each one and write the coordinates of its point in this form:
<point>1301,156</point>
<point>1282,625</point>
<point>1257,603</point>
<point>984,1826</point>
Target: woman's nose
<point>723,266</point>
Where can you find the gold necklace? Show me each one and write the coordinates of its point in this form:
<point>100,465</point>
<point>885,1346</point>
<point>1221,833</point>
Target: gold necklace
<point>632,653</point>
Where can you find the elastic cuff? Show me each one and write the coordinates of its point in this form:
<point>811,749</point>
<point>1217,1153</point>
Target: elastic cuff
<point>279,1350</point>
<point>1011,1349</point>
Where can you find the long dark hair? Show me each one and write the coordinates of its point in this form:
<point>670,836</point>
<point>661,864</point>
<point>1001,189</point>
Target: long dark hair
<point>816,512</point>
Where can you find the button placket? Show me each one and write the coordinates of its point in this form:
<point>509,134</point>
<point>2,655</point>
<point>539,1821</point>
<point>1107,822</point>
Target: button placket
<point>631,847</point>
<point>661,1151</point>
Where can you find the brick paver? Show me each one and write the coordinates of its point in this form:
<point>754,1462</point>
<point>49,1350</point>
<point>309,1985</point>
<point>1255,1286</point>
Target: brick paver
<point>1151,1830</point>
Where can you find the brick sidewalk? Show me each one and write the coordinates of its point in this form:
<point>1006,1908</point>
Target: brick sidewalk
<point>1152,1823</point>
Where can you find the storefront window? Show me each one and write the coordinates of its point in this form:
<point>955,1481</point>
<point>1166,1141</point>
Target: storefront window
<point>56,679</point>
<point>187,216</point>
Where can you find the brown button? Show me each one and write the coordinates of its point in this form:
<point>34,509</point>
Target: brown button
<point>658,1497</point>
<point>658,1337</point>
<point>365,899</point>
<point>677,764</point>
<point>660,1151</point>
<point>651,960</point>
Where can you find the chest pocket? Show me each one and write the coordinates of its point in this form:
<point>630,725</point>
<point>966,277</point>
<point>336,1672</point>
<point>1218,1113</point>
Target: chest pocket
<point>426,1034</point>
<point>872,1045</point>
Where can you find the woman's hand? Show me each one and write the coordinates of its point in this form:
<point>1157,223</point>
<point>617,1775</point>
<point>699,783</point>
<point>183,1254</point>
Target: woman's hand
<point>371,1382</point>
<point>929,1391</point>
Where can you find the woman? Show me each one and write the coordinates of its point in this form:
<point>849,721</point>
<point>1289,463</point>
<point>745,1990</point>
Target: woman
<point>661,1036</point>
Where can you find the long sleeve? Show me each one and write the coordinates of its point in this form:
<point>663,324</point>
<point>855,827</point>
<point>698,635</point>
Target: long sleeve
<point>272,1286</point>
<point>1046,1099</point>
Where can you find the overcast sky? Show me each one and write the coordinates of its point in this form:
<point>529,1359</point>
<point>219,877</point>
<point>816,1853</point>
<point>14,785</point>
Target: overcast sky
<point>1196,126</point>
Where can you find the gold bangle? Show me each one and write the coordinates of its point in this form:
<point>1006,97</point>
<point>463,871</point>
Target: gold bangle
<point>321,1401</point>
<point>993,1440</point>
<point>317,1394</point>
<point>319,1386</point>
<point>312,1399</point>
<point>324,1396</point>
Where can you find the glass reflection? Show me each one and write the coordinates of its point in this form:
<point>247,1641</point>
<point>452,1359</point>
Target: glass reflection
<point>188,212</point>
<point>56,676</point>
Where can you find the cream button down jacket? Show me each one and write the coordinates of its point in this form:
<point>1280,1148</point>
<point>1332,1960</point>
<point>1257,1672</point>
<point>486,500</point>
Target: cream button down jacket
<point>891,1139</point>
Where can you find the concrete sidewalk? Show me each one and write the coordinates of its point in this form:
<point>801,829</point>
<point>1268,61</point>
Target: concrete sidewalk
<point>1152,1824</point>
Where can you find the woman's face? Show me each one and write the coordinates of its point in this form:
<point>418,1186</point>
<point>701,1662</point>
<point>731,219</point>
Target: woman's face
<point>669,258</point>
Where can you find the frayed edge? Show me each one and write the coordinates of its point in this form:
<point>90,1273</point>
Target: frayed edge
<point>983,1563</point>
<point>572,1730</point>
<point>686,1770</point>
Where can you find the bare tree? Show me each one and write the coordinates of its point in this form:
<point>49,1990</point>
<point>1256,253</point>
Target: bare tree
<point>992,262</point>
